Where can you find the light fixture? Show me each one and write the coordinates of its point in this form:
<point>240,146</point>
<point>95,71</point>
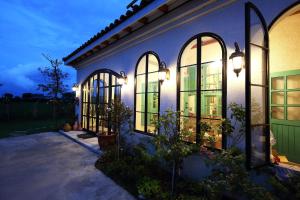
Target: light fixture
<point>123,78</point>
<point>163,73</point>
<point>238,59</point>
<point>75,87</point>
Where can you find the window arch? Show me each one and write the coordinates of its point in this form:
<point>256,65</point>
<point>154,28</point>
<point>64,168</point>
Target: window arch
<point>100,91</point>
<point>201,87</point>
<point>147,93</point>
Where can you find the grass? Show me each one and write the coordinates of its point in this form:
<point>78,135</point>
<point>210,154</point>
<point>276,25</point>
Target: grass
<point>30,126</point>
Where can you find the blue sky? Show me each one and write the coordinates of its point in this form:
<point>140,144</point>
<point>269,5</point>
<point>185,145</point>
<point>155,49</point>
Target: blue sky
<point>57,27</point>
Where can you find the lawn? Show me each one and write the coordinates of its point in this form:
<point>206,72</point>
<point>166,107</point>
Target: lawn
<point>30,126</point>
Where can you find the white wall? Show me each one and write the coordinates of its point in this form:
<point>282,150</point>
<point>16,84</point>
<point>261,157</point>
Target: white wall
<point>166,37</point>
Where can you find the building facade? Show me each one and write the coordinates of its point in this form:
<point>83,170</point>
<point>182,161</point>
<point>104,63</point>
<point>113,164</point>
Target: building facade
<point>195,41</point>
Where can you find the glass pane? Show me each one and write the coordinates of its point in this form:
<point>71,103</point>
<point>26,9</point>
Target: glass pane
<point>258,105</point>
<point>106,94</point>
<point>188,78</point>
<point>101,95</point>
<point>258,68</point>
<point>188,103</point>
<point>277,98</point>
<point>139,121</point>
<point>106,79</point>
<point>213,138</point>
<point>153,102</point>
<point>258,145</point>
<point>153,64</point>
<point>140,84</point>
<point>117,93</point>
<point>141,67</point>
<point>101,80</point>
<point>113,80</point>
<point>84,122</point>
<point>277,112</point>
<point>92,124</point>
<point>293,82</point>
<point>211,104</point>
<point>210,50</point>
<point>151,119</point>
<point>211,76</point>
<point>189,55</point>
<point>92,110</point>
<point>293,113</point>
<point>257,30</point>
<point>278,83</point>
<point>140,102</point>
<point>153,82</point>
<point>188,126</point>
<point>293,97</point>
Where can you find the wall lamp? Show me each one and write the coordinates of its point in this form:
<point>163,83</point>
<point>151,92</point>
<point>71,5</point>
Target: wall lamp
<point>238,59</point>
<point>163,72</point>
<point>123,78</point>
<point>75,87</point>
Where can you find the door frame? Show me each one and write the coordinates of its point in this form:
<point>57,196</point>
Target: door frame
<point>87,80</point>
<point>248,8</point>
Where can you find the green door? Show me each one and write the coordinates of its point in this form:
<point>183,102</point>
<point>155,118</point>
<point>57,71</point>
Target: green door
<point>285,113</point>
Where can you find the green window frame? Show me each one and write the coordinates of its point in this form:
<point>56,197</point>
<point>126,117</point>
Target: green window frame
<point>279,96</point>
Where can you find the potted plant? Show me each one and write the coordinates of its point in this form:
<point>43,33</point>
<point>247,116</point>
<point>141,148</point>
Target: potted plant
<point>121,115</point>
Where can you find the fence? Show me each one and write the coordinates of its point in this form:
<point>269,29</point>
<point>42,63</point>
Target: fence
<point>35,110</point>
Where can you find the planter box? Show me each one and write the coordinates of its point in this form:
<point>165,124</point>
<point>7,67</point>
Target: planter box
<point>106,141</point>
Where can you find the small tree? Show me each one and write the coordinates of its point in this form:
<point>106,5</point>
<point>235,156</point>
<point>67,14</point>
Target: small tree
<point>121,115</point>
<point>169,143</point>
<point>54,81</point>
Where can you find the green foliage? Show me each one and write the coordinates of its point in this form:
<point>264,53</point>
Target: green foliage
<point>151,189</point>
<point>237,118</point>
<point>170,144</point>
<point>121,114</point>
<point>229,176</point>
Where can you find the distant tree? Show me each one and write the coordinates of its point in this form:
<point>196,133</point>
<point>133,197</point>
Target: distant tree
<point>7,98</point>
<point>27,96</point>
<point>53,83</point>
<point>54,78</point>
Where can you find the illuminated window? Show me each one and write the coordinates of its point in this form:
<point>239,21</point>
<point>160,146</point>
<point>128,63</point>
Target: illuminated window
<point>147,93</point>
<point>202,88</point>
<point>99,92</point>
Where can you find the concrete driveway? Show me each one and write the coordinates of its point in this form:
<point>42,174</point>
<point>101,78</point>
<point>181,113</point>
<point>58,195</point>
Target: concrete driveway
<point>51,166</point>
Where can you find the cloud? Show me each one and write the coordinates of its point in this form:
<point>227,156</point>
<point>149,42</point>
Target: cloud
<point>25,78</point>
<point>29,28</point>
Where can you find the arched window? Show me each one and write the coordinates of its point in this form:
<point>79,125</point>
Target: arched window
<point>201,88</point>
<point>100,91</point>
<point>147,93</point>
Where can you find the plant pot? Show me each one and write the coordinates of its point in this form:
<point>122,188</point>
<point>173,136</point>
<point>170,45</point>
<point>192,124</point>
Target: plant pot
<point>106,141</point>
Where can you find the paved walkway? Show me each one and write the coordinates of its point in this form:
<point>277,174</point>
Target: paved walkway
<point>51,166</point>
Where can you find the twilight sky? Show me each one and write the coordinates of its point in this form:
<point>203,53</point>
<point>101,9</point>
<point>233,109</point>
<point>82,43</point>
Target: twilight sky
<point>29,28</point>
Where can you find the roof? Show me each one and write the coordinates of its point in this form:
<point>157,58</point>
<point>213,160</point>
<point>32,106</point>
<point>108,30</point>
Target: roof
<point>134,9</point>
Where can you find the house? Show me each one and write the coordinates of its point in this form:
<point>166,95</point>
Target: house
<point>216,52</point>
